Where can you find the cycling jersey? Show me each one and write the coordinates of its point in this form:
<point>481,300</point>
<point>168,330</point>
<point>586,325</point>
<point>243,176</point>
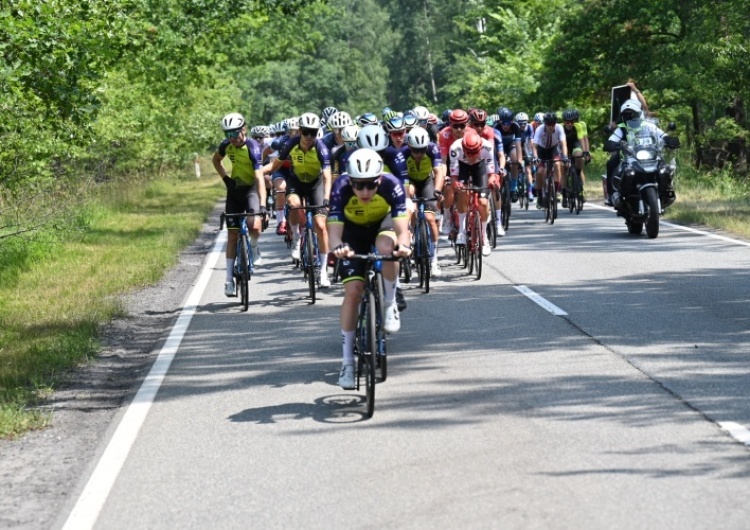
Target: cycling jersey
<point>245,160</point>
<point>420,171</point>
<point>345,206</point>
<point>547,140</point>
<point>446,139</point>
<point>459,157</point>
<point>574,135</point>
<point>308,166</point>
<point>395,161</point>
<point>510,136</point>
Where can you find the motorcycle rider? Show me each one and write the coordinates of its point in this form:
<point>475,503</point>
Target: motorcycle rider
<point>631,123</point>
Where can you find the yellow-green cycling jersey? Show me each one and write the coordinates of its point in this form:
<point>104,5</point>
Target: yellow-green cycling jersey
<point>245,160</point>
<point>306,166</point>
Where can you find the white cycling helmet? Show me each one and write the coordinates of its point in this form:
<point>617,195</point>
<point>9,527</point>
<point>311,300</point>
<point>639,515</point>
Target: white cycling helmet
<point>232,122</point>
<point>539,117</point>
<point>350,133</point>
<point>339,120</point>
<point>422,113</point>
<point>522,117</point>
<point>364,164</point>
<point>292,124</point>
<point>418,138</point>
<point>309,121</point>
<point>373,137</point>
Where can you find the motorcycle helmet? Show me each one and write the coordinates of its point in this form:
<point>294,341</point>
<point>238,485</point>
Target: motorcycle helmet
<point>630,113</point>
<point>364,164</point>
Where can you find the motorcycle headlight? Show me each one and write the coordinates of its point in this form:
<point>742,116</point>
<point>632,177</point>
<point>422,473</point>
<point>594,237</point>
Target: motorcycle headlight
<point>645,154</point>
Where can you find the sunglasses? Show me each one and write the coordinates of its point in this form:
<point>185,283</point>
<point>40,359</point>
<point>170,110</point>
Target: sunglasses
<point>418,150</point>
<point>479,124</point>
<point>398,133</point>
<point>568,122</point>
<point>360,185</point>
<point>233,134</point>
<point>458,126</point>
<point>506,123</point>
<point>308,132</point>
<point>351,145</point>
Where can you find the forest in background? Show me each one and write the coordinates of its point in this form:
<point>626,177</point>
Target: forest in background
<point>96,91</point>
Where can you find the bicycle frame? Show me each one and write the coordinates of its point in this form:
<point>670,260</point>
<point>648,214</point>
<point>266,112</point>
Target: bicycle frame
<point>475,232</point>
<point>310,261</point>
<point>243,261</point>
<point>424,247</point>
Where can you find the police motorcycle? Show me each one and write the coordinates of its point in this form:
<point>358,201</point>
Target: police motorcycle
<point>643,183</point>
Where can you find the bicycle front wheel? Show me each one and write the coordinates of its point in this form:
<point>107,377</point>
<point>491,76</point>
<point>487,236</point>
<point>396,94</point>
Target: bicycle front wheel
<point>370,353</point>
<point>424,257</point>
<point>380,336</point>
<point>492,226</point>
<point>478,243</point>
<point>244,272</point>
<point>310,265</point>
<point>506,207</point>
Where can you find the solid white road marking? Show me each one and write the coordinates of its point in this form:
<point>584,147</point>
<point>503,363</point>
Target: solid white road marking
<point>546,304</point>
<point>736,431</point>
<point>94,495</point>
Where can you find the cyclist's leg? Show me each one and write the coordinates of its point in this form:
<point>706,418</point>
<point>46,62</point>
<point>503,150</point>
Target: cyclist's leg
<point>385,244</point>
<point>279,185</point>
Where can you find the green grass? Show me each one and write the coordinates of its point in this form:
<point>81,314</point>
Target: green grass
<point>58,287</point>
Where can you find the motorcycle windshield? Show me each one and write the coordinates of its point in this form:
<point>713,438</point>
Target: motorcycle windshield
<point>645,145</point>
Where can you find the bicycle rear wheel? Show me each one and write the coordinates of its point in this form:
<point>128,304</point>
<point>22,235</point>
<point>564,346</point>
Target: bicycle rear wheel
<point>380,335</point>
<point>244,272</point>
<point>578,187</point>
<point>469,248</point>
<point>310,263</point>
<point>492,226</point>
<point>423,256</point>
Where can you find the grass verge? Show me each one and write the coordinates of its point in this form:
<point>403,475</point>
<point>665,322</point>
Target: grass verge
<point>59,286</point>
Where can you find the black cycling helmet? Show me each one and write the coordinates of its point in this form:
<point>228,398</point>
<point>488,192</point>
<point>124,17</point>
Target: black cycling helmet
<point>505,114</point>
<point>550,118</point>
<point>444,116</point>
<point>571,115</point>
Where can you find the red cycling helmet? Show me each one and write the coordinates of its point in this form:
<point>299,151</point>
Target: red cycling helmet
<point>458,116</point>
<point>472,144</point>
<point>478,116</point>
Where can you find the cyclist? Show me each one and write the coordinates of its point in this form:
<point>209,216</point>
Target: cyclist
<point>246,189</point>
<point>368,207</point>
<point>478,122</point>
<point>457,121</point>
<point>577,139</point>
<point>310,177</point>
<point>426,178</point>
<point>341,153</point>
<point>527,134</point>
<point>511,135</point>
<point>472,162</point>
<point>278,178</point>
<point>548,144</point>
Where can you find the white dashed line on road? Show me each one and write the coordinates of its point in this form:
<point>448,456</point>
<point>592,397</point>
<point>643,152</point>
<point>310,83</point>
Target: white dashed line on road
<point>542,302</point>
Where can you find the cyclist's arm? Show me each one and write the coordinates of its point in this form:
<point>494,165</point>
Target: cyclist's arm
<point>438,175</point>
<point>220,169</point>
<point>327,180</point>
<point>272,166</point>
<point>401,227</point>
<point>261,187</point>
<point>335,233</point>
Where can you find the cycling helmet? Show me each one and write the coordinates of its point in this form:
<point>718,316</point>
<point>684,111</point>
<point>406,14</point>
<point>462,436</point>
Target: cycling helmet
<point>364,164</point>
<point>550,118</point>
<point>339,120</point>
<point>421,113</point>
<point>328,112</point>
<point>292,124</point>
<point>418,138</point>
<point>385,111</point>
<point>433,119</point>
<point>265,130</point>
<point>472,144</point>
<point>445,115</point>
<point>232,122</point>
<point>367,119</point>
<point>273,129</point>
<point>373,137</point>
<point>394,124</point>
<point>478,116</point>
<point>539,117</point>
<point>505,114</point>
<point>522,119</point>
<point>570,115</point>
<point>256,132</point>
<point>309,120</point>
<point>458,116</point>
<point>631,110</point>
<point>389,115</point>
<point>349,133</point>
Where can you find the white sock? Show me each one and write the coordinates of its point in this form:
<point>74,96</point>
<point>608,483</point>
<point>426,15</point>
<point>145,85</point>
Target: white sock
<point>499,214</point>
<point>347,341</point>
<point>389,291</point>
<point>462,222</point>
<point>280,216</point>
<point>230,270</point>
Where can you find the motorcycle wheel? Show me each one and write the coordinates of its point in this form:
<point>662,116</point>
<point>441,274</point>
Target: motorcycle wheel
<point>652,223</point>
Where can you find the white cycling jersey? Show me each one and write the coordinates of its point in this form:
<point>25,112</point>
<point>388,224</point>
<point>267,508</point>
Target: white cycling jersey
<point>457,155</point>
<point>546,140</point>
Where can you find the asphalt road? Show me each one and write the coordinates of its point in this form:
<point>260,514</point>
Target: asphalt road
<point>497,413</point>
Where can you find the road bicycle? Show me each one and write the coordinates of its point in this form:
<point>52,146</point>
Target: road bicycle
<point>475,232</point>
<point>310,261</point>
<point>424,247</point>
<point>243,262</point>
<point>550,208</point>
<point>575,190</point>
<point>369,337</point>
<point>522,189</point>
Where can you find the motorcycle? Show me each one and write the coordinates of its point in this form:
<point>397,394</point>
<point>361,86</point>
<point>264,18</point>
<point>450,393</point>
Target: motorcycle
<point>643,183</point>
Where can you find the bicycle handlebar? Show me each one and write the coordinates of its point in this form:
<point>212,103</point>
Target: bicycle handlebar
<point>308,207</point>
<point>374,257</point>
